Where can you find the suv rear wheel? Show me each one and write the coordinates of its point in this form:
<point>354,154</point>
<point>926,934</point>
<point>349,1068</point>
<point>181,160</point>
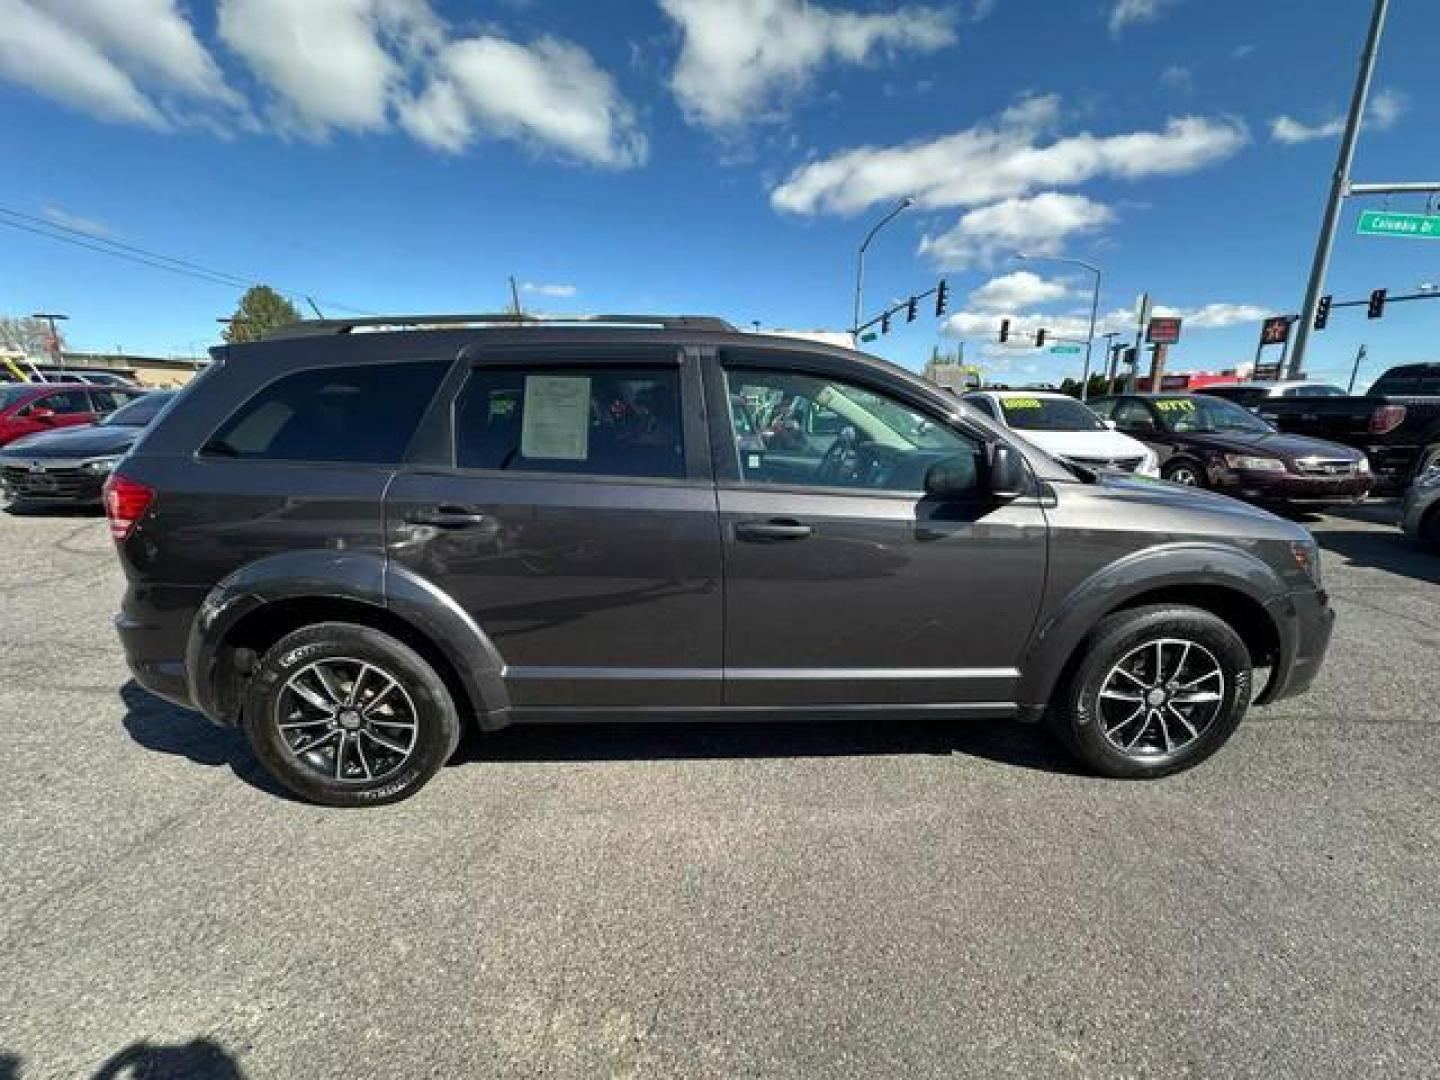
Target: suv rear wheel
<point>346,715</point>
<point>1159,689</point>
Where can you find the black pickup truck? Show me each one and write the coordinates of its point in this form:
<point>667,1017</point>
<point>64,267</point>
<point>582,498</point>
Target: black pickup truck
<point>1396,424</point>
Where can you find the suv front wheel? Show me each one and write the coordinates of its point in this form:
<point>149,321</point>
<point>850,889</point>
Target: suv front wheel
<point>346,715</point>
<point>1159,689</point>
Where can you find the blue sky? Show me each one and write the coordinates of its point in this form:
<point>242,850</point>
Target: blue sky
<point>715,156</point>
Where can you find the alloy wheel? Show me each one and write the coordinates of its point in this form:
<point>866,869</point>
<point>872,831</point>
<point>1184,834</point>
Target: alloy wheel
<point>1161,697</point>
<point>347,720</point>
<point>1184,474</point>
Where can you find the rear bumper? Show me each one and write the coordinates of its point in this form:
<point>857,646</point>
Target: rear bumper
<point>1306,621</point>
<point>153,625</point>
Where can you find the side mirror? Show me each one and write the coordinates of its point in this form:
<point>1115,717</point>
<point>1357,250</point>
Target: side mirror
<point>1006,473</point>
<point>956,477</point>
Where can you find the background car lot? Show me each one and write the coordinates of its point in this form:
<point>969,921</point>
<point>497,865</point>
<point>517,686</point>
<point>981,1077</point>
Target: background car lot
<point>854,899</point>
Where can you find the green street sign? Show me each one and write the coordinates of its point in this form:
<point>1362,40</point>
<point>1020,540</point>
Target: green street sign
<point>1384,223</point>
<point>867,337</point>
<point>1065,349</point>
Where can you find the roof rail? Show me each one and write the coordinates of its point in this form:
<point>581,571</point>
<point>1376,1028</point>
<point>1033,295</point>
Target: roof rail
<point>315,327</point>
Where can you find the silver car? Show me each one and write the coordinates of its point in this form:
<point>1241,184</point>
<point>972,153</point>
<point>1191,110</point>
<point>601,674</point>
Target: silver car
<point>1422,506</point>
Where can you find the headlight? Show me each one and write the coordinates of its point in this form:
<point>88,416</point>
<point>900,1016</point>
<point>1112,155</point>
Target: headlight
<point>101,465</point>
<point>1254,464</point>
<point>1363,466</point>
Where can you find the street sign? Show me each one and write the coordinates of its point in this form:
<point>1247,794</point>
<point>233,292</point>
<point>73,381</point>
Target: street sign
<point>1384,223</point>
<point>1065,350</point>
<point>1275,330</point>
<point>1163,331</point>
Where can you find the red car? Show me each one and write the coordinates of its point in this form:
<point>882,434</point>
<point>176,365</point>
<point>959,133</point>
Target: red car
<point>28,408</point>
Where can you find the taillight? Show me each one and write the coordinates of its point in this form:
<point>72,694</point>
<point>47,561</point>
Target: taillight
<point>125,502</point>
<point>1386,418</point>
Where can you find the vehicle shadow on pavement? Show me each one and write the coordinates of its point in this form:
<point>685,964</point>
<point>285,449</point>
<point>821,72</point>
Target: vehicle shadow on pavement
<point>199,1059</point>
<point>1007,742</point>
<point>157,725</point>
<point>1393,552</point>
<point>43,510</point>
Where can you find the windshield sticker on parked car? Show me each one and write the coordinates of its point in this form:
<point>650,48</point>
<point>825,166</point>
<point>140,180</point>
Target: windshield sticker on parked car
<point>1176,405</point>
<point>556,423</point>
<point>1022,403</point>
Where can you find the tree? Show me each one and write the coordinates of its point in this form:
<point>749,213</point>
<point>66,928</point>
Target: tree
<point>261,310</point>
<point>28,336</point>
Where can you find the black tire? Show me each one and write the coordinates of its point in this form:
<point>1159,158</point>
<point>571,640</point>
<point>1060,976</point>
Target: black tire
<point>381,721</point>
<point>1430,528</point>
<point>1185,471</point>
<point>1081,719</point>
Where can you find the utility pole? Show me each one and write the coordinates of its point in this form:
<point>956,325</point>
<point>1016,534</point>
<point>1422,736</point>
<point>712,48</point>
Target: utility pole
<point>1110,360</point>
<point>1339,188</point>
<point>1355,371</point>
<point>514,297</point>
<point>1142,319</point>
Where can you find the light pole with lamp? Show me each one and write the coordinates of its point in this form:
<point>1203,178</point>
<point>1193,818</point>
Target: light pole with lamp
<point>902,205</point>
<point>1094,307</point>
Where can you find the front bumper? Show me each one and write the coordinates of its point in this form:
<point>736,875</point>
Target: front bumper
<point>1306,620</point>
<point>52,482</point>
<point>1291,489</point>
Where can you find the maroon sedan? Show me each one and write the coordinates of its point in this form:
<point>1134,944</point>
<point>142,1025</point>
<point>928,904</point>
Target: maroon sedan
<point>1206,441</point>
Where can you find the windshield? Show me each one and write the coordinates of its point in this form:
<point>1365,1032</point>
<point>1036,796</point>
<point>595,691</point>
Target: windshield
<point>139,412</point>
<point>1049,414</point>
<point>1207,415</point>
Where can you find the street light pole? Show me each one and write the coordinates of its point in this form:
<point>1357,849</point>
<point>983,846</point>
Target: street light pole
<point>1094,307</point>
<point>901,206</point>
<point>1339,189</point>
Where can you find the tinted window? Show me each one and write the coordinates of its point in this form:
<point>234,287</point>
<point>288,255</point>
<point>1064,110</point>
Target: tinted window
<point>361,414</point>
<point>589,421</point>
<point>813,431</point>
<point>65,403</point>
<point>1026,413</point>
<point>1133,415</point>
<point>140,411</point>
<point>1315,390</point>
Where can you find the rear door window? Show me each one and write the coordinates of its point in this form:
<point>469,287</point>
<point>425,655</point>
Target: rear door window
<point>598,421</point>
<point>365,414</point>
<point>64,403</point>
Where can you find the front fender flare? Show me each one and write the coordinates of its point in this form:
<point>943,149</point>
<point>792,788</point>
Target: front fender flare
<point>356,577</point>
<point>1119,583</point>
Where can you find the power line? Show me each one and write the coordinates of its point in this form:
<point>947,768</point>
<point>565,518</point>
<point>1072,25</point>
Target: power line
<point>65,234</point>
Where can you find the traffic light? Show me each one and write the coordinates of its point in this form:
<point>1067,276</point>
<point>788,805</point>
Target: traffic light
<point>1039,338</point>
<point>1322,312</point>
<point>1377,304</point>
<point>911,308</point>
<point>1004,331</point>
<point>885,323</point>
<point>942,297</point>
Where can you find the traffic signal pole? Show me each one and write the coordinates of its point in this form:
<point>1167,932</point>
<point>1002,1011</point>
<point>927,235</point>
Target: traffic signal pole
<point>1339,188</point>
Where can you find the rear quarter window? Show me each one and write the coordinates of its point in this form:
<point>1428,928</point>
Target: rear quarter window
<point>365,414</point>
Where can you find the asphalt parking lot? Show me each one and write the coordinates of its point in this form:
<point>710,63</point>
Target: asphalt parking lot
<point>825,900</point>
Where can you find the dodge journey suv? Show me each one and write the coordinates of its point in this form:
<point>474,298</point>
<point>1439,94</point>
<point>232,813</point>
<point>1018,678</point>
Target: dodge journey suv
<point>353,538</point>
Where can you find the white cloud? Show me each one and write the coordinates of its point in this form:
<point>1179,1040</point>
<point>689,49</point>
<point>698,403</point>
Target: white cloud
<point>550,94</point>
<point>1179,78</point>
<point>1002,159</point>
<point>1075,325</point>
<point>1124,13</point>
<point>542,289</point>
<point>739,59</point>
<point>89,226</point>
<point>1040,224</point>
<point>1214,316</point>
<point>326,61</point>
<point>1013,292</point>
<point>109,58</point>
<point>1383,113</point>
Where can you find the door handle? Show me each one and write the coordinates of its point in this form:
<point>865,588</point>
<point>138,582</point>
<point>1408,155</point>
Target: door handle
<point>768,532</point>
<point>448,517</point>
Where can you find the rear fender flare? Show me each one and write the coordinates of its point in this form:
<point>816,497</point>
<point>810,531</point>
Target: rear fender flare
<point>355,577</point>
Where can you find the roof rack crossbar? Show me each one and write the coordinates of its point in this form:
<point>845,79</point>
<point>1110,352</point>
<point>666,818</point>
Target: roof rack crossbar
<point>309,327</point>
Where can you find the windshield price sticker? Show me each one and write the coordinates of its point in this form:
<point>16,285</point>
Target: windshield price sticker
<point>1022,403</point>
<point>1175,405</point>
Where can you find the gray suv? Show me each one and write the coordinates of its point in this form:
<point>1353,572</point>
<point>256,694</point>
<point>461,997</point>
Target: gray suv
<point>353,538</point>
